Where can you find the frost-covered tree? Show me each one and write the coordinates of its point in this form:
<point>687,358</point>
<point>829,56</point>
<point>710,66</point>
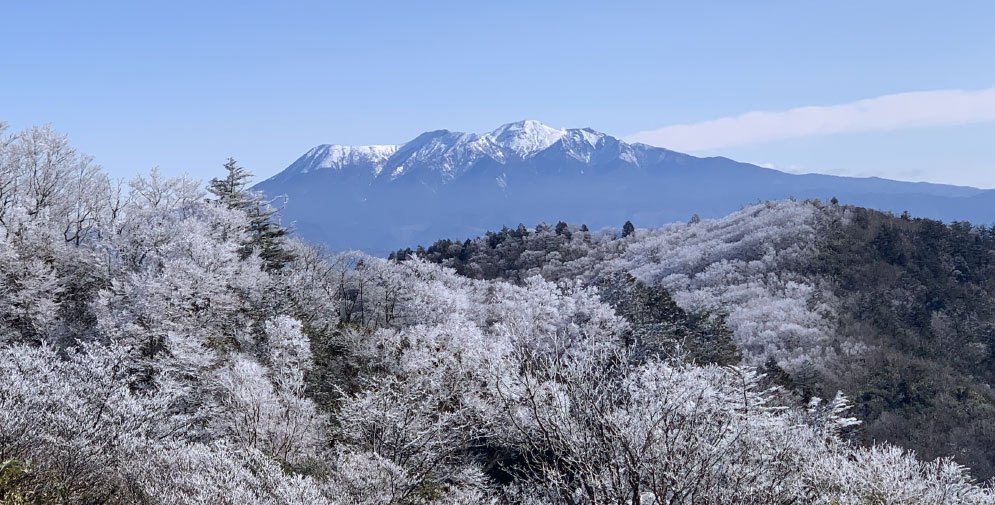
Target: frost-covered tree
<point>147,358</point>
<point>265,235</point>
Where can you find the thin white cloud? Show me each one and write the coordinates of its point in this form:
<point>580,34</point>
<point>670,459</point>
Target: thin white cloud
<point>883,113</point>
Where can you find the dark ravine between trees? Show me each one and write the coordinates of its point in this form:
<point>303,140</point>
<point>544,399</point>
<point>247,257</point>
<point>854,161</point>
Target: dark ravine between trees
<point>160,344</point>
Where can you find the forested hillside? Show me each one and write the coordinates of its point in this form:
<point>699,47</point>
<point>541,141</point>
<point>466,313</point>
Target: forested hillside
<point>897,312</point>
<point>163,344</point>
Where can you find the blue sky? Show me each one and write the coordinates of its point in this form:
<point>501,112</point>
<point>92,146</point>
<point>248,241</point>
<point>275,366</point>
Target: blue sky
<point>183,85</point>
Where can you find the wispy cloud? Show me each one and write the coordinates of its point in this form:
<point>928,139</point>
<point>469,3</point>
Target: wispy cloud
<point>883,113</point>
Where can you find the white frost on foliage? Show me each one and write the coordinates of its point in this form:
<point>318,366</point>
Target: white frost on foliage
<point>145,357</point>
<point>739,265</point>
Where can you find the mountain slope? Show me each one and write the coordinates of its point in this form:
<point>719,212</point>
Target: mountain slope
<point>898,313</point>
<point>453,184</point>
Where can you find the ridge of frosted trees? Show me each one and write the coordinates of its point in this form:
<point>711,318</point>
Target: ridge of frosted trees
<point>150,360</point>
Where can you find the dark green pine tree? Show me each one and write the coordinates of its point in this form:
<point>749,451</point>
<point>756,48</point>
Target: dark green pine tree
<point>563,229</point>
<point>266,236</point>
<point>628,229</point>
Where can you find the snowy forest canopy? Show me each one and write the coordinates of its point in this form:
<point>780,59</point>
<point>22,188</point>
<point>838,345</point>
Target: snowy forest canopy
<point>163,344</point>
<point>898,312</point>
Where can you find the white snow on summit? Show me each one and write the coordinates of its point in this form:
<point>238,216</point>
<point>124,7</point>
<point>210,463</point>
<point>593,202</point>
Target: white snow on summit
<point>524,138</point>
<point>339,156</point>
<point>590,136</point>
<point>449,154</point>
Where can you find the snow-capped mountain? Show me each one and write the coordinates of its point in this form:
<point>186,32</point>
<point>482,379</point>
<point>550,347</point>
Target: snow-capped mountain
<point>445,184</point>
<point>338,157</point>
<point>443,155</point>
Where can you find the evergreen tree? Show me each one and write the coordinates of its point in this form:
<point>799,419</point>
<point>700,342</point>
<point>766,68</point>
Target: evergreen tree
<point>266,235</point>
<point>627,229</point>
<point>563,229</point>
<point>233,190</point>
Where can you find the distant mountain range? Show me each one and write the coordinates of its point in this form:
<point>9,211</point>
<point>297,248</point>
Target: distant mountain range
<point>446,184</point>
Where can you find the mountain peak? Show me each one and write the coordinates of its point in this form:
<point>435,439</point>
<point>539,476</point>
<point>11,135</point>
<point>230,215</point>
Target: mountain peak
<point>448,151</point>
<point>454,184</point>
<point>525,125</point>
<point>337,157</point>
<point>526,137</point>
<point>449,154</point>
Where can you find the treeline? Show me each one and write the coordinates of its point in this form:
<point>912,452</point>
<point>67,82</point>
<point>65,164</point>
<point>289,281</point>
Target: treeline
<point>511,254</point>
<point>179,346</point>
<point>563,253</point>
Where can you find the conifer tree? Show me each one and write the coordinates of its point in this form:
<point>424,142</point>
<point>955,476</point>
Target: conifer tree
<point>563,229</point>
<point>628,229</point>
<point>233,189</point>
<point>266,235</point>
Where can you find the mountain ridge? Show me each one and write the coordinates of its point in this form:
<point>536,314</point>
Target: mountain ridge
<point>454,184</point>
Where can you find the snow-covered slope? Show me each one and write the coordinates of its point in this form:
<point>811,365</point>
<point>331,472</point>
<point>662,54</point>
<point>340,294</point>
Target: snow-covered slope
<point>338,157</point>
<point>445,184</point>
